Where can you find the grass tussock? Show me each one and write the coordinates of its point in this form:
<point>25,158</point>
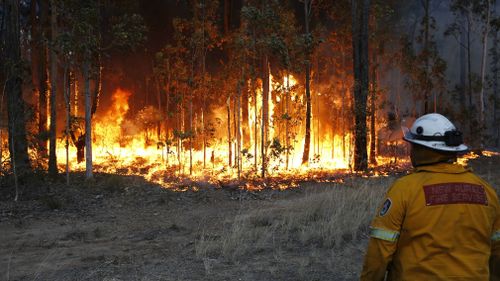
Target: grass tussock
<point>325,219</point>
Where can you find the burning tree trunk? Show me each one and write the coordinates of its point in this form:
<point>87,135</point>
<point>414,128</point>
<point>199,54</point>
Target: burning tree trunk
<point>360,17</point>
<point>53,91</point>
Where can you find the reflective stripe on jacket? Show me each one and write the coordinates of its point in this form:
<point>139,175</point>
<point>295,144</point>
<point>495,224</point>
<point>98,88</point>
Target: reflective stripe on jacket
<point>441,222</point>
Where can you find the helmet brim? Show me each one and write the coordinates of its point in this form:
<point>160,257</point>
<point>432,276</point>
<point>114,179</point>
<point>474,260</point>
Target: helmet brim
<point>437,145</point>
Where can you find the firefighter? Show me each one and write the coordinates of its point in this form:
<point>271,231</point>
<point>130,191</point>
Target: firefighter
<point>441,222</point>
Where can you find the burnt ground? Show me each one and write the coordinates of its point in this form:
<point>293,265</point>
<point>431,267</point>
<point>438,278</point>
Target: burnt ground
<point>125,228</point>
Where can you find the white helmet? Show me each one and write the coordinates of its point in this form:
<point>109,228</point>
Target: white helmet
<point>436,132</point>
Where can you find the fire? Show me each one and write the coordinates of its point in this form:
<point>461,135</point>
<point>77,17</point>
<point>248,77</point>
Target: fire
<point>125,144</point>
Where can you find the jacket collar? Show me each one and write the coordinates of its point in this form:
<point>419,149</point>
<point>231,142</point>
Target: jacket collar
<point>447,168</point>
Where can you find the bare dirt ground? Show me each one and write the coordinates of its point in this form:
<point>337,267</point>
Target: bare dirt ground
<point>124,228</point>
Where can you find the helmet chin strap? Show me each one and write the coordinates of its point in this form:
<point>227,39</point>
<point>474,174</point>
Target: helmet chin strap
<point>421,155</point>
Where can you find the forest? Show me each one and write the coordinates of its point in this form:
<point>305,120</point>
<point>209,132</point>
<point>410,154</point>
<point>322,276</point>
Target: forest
<point>225,139</point>
<point>238,88</point>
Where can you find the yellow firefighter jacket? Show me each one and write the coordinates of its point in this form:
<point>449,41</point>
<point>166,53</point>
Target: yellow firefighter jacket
<point>440,222</point>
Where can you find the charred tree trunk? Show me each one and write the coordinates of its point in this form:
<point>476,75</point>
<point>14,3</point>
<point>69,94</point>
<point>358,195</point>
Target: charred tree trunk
<point>373,137</point>
<point>167,113</point>
<point>229,138</point>
<point>287,121</point>
<point>255,127</point>
<point>67,107</point>
<point>235,126</point>
<point>360,9</point>
<point>88,119</point>
<point>190,133</point>
<point>53,92</point>
<point>307,137</point>
<point>204,99</point>
<point>42,83</point>
<point>18,146</point>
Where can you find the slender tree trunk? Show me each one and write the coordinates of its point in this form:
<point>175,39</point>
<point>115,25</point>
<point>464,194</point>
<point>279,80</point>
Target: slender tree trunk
<point>191,132</point>
<point>98,88</point>
<point>360,46</point>
<point>471,114</point>
<point>373,139</point>
<point>343,104</point>
<point>53,92</point>
<point>287,120</point>
<point>43,80</point>
<point>496,97</point>
<point>265,114</point>
<point>463,86</point>
<point>244,116</point>
<point>238,126</point>
<point>307,136</point>
<point>67,103</point>
<point>229,138</point>
<point>18,146</point>
<point>254,91</point>
<point>88,120</point>
<point>486,32</point>
<point>39,68</point>
<point>255,127</point>
<point>235,127</point>
<point>167,113</point>
<point>203,106</point>
<point>469,66</point>
<point>426,47</point>
<point>160,110</point>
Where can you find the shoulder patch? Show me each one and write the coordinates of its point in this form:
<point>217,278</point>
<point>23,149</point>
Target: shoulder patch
<point>385,208</point>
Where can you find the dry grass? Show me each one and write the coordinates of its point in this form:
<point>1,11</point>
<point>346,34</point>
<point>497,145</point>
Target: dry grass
<point>323,230</point>
<point>328,218</point>
<point>302,238</point>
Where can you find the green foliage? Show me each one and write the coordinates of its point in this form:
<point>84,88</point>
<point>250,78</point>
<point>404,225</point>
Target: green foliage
<point>81,33</point>
<point>183,135</point>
